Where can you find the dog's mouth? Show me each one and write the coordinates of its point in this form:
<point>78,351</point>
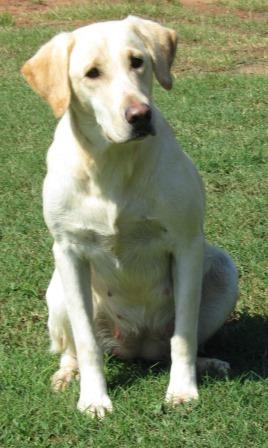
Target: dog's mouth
<point>136,135</point>
<point>143,132</point>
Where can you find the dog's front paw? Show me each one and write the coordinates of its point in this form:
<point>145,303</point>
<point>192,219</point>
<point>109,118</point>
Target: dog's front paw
<point>95,406</point>
<point>179,393</point>
<point>182,384</point>
<point>61,379</point>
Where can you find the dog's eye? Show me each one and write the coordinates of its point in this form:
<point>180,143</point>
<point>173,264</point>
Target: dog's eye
<point>93,73</point>
<point>136,62</point>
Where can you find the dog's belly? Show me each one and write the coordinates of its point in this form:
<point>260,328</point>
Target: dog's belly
<point>134,300</point>
<point>132,287</point>
<point>133,305</point>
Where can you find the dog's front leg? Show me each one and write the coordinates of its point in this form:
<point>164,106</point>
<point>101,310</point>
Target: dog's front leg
<point>187,271</point>
<point>75,276</point>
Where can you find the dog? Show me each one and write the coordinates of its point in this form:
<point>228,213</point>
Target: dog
<point>134,275</point>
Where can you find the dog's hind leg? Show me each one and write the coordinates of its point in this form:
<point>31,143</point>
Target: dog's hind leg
<point>219,292</point>
<point>219,296</point>
<point>60,335</point>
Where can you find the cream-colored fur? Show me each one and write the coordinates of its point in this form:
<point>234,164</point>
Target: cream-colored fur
<point>134,275</point>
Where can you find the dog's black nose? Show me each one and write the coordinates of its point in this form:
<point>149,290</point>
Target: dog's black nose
<point>139,115</point>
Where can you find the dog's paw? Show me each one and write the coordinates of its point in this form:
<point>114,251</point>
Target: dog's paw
<point>179,394</point>
<point>61,379</point>
<point>222,368</point>
<point>95,407</point>
<point>212,365</point>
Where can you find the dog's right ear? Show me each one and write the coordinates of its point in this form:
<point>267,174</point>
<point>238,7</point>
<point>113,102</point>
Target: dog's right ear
<point>47,72</point>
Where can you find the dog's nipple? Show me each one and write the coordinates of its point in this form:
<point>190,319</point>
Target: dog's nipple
<point>117,333</point>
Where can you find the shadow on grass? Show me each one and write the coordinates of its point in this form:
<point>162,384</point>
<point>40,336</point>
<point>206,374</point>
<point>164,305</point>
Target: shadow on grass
<point>243,342</point>
<point>126,373</point>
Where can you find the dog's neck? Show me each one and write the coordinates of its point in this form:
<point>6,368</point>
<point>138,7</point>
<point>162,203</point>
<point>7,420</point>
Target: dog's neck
<point>88,133</point>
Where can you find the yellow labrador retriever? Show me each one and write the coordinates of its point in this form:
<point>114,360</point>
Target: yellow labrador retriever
<point>134,275</point>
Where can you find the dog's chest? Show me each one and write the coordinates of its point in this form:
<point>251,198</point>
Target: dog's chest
<point>103,226</point>
<point>126,238</point>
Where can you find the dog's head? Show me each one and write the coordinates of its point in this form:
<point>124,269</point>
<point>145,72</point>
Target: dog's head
<point>103,72</point>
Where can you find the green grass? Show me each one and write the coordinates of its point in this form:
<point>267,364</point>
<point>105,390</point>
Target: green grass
<point>6,19</point>
<point>220,117</point>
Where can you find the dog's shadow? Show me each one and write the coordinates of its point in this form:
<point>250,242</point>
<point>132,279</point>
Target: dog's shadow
<point>243,342</point>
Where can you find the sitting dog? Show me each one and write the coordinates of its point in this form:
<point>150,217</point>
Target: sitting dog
<point>133,275</point>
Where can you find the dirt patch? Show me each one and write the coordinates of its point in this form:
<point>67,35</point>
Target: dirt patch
<point>21,10</point>
<point>17,7</point>
<point>253,69</point>
<point>208,6</point>
<point>254,61</point>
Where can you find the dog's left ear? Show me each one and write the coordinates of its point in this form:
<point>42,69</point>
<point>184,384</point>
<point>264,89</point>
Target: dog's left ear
<point>161,43</point>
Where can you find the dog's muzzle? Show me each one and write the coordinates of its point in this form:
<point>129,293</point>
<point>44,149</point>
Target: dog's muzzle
<point>139,116</point>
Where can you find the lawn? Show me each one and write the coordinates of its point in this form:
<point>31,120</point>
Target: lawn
<point>219,111</point>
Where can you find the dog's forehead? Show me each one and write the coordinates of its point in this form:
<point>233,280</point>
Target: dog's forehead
<point>105,39</point>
